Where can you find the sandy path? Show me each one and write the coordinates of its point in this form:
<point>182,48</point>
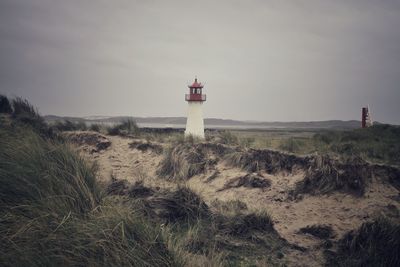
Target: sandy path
<point>341,211</point>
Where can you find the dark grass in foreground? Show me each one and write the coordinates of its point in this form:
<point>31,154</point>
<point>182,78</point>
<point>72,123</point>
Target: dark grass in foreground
<point>375,243</point>
<point>52,212</point>
<point>224,228</point>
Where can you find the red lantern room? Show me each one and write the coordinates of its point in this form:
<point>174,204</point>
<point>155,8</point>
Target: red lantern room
<point>195,92</point>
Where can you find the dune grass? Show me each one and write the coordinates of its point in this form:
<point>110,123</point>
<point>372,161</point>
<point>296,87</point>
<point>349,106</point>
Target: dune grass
<point>68,125</point>
<point>210,231</point>
<point>52,212</point>
<point>183,160</point>
<point>375,243</point>
<point>326,174</point>
<point>127,127</point>
<point>254,160</point>
<point>317,230</point>
<point>5,105</point>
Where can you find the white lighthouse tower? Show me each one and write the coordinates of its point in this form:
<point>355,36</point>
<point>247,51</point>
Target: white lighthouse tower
<point>195,99</point>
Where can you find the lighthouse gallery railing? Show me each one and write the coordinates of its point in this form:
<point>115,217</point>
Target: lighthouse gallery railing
<point>195,97</point>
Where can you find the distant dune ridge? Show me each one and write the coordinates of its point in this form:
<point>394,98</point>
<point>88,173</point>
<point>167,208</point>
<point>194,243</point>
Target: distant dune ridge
<point>214,122</point>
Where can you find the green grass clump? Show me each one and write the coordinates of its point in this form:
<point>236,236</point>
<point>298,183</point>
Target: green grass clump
<point>68,125</point>
<point>95,127</point>
<point>317,230</point>
<point>183,161</point>
<point>379,143</point>
<point>240,224</point>
<point>127,127</point>
<point>180,205</point>
<point>227,138</point>
<point>45,172</point>
<point>375,243</point>
<point>52,212</point>
<point>220,234</point>
<point>27,115</point>
<point>326,175</point>
<point>5,106</point>
<point>254,160</point>
<point>292,145</point>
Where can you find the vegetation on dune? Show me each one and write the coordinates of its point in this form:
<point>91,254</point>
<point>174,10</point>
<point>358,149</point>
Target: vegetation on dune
<point>127,127</point>
<point>24,114</point>
<point>254,160</point>
<point>5,106</point>
<point>375,243</point>
<point>326,175</point>
<point>209,231</point>
<point>183,161</point>
<point>323,173</point>
<point>320,231</point>
<point>148,146</point>
<point>68,125</point>
<point>52,211</point>
<point>379,143</point>
<point>250,180</point>
<point>91,142</point>
<point>45,172</point>
<point>95,127</point>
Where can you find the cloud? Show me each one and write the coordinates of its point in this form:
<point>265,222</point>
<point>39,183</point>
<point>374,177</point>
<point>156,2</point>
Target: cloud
<point>260,60</point>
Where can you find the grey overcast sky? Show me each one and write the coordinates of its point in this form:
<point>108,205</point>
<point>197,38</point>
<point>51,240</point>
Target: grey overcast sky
<point>263,60</point>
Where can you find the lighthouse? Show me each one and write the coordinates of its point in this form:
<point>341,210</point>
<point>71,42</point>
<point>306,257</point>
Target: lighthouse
<point>366,120</point>
<point>195,99</point>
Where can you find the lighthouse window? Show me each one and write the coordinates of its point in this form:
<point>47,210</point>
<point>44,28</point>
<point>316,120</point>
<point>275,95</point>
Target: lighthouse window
<point>193,91</point>
<point>198,91</point>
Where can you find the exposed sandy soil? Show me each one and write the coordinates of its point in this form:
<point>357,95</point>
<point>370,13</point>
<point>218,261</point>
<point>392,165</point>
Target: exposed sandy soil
<point>343,212</point>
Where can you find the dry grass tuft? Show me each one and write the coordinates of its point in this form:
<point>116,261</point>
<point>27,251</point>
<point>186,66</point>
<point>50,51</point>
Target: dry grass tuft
<point>91,141</point>
<point>184,160</point>
<point>250,180</point>
<point>181,205</point>
<point>52,212</point>
<point>326,175</point>
<point>320,231</point>
<point>375,243</point>
<point>255,160</point>
<point>158,149</point>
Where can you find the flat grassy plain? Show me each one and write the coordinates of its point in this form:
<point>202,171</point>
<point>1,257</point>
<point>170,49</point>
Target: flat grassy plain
<point>378,144</point>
